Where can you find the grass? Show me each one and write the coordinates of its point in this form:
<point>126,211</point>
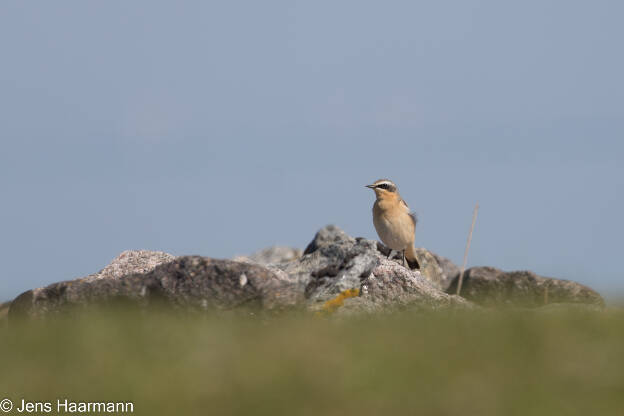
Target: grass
<point>461,363</point>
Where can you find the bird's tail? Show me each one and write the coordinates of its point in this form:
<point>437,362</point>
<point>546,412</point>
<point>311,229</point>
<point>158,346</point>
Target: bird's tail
<point>412,257</point>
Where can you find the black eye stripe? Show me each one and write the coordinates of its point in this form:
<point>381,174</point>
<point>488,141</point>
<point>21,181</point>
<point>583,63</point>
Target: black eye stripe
<point>386,186</point>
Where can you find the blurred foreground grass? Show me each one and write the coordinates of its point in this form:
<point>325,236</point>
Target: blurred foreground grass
<point>460,363</point>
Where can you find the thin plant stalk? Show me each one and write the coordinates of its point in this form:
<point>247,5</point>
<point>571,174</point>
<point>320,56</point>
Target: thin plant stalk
<point>463,269</point>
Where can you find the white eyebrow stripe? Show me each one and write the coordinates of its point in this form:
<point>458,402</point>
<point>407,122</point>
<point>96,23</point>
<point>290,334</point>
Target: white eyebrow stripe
<point>384,183</point>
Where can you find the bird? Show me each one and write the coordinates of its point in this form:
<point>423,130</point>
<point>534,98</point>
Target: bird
<point>394,222</point>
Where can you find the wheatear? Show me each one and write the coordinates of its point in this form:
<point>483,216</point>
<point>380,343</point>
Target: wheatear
<point>394,222</point>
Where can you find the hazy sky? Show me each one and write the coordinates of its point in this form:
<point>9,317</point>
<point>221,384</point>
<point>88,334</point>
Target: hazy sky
<point>220,128</point>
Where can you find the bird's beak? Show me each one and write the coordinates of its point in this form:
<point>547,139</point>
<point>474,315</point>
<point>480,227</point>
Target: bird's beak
<point>370,186</point>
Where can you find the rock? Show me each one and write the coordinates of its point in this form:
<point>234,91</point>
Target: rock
<point>329,235</point>
<point>335,271</point>
<point>132,261</point>
<point>337,274</point>
<point>488,286</point>
<point>53,297</point>
<point>429,267</point>
<point>271,255</point>
<point>335,263</point>
<point>404,287</point>
<point>189,281</point>
<point>450,271</point>
<point>332,266</point>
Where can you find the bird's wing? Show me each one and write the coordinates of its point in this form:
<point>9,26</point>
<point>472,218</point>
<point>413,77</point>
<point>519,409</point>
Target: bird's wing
<point>413,217</point>
<point>410,213</point>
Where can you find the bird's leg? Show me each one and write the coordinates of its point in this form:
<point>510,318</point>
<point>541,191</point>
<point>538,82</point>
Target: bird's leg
<point>404,260</point>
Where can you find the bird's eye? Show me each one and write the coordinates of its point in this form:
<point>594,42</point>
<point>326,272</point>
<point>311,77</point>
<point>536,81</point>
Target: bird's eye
<point>383,186</point>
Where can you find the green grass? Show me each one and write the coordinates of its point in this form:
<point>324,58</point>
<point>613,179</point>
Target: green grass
<point>461,363</point>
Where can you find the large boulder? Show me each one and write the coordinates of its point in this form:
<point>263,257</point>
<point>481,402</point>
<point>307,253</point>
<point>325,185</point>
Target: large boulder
<point>54,296</point>
<point>488,286</point>
<point>189,281</point>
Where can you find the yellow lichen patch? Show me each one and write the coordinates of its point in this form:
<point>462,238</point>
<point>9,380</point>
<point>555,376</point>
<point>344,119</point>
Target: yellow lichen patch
<point>332,305</point>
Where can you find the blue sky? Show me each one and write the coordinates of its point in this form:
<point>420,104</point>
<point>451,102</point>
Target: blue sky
<point>219,128</point>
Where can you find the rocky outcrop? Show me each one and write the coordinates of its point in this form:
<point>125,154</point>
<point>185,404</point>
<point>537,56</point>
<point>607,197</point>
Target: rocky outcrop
<point>333,264</point>
<point>488,286</point>
<point>336,274</point>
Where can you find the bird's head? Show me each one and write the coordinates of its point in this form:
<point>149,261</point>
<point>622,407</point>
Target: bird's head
<point>384,188</point>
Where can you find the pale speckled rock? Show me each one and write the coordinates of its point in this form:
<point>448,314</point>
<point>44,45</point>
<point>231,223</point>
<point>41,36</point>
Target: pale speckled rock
<point>130,262</point>
<point>390,283</point>
<point>271,255</point>
<point>429,267</point>
<point>489,286</point>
